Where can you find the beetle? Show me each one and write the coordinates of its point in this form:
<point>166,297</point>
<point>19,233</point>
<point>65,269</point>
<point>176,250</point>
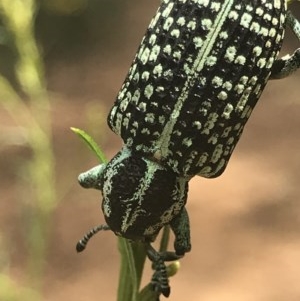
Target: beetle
<point>197,75</point>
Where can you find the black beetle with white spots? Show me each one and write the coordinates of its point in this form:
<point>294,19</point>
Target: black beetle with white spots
<point>197,75</point>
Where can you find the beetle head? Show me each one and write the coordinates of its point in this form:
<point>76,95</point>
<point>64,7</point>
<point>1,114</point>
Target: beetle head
<point>139,195</point>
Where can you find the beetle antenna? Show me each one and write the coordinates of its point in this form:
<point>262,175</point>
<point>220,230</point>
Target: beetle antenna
<point>81,245</point>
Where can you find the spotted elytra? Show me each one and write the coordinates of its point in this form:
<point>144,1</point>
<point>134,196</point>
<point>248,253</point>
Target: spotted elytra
<point>197,75</point>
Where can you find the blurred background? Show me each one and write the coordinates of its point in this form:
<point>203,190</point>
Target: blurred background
<point>62,63</point>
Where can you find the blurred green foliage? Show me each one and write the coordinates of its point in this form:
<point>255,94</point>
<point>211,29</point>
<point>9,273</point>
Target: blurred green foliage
<point>32,34</point>
<point>64,29</point>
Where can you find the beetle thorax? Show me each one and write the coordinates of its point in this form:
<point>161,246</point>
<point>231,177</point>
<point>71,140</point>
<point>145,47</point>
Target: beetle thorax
<point>140,196</point>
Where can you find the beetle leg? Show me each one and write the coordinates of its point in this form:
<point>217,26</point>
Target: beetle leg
<point>288,64</point>
<point>159,281</point>
<point>180,225</point>
<point>293,23</point>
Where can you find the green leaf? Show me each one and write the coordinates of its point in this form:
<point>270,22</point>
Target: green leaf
<point>90,143</point>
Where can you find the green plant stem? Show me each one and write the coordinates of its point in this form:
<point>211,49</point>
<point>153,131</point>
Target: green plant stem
<point>164,239</point>
<point>133,257</point>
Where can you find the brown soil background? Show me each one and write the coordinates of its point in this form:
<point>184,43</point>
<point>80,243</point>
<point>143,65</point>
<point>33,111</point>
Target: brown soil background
<point>245,224</point>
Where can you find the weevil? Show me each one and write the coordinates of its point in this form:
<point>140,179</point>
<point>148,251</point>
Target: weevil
<point>197,75</point>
